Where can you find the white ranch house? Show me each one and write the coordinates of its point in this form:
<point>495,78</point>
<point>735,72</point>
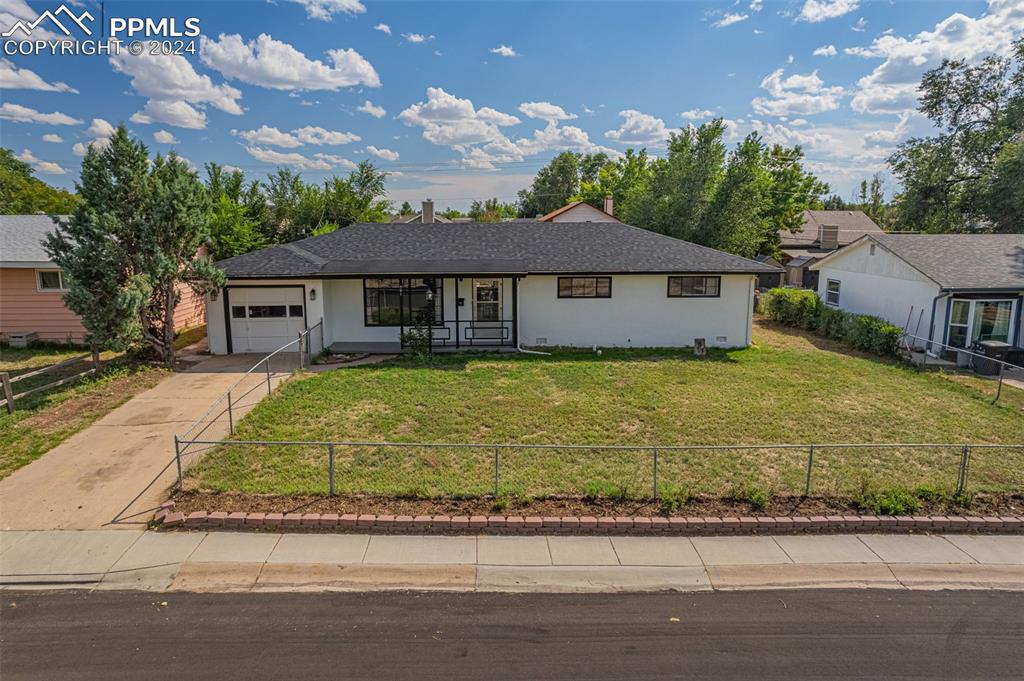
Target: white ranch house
<point>485,285</point>
<point>954,289</point>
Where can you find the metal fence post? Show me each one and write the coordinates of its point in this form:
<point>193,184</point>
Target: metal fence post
<point>300,349</point>
<point>267,361</point>
<point>177,458</point>
<point>999,387</point>
<point>965,457</point>
<point>497,469</point>
<point>330,461</point>
<point>231,416</point>
<point>5,378</point>
<point>655,451</point>
<point>810,464</point>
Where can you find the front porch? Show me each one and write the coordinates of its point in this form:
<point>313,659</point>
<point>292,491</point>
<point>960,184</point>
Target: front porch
<point>467,311</point>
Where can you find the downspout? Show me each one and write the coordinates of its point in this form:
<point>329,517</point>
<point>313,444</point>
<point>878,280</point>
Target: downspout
<point>750,312</point>
<point>519,340</point>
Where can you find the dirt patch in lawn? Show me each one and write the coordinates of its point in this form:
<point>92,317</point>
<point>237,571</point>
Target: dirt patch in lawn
<point>778,506</point>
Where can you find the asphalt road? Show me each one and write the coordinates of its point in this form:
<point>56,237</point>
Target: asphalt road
<point>723,636</point>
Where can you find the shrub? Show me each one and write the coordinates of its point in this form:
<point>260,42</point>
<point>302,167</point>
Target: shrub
<point>674,499</point>
<point>802,308</point>
<point>602,489</point>
<point>895,501</point>
<point>752,494</point>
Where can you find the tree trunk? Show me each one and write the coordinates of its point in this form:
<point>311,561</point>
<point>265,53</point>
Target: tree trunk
<point>169,297</point>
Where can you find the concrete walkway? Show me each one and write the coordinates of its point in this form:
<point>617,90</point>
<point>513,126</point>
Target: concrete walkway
<point>246,561</point>
<point>86,481</point>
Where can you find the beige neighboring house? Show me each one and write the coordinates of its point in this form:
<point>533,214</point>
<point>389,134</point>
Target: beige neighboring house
<point>32,287</point>
<point>823,232</point>
<point>579,211</point>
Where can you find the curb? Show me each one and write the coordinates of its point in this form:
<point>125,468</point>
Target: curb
<point>166,516</point>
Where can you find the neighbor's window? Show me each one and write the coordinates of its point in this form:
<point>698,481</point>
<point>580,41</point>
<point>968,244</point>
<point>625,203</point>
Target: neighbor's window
<point>584,287</point>
<point>694,287</point>
<point>51,280</point>
<point>394,302</point>
<point>832,292</point>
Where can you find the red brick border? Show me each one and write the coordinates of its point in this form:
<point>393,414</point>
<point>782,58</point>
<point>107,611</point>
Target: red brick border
<point>166,516</point>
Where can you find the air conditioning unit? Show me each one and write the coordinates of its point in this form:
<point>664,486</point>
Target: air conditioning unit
<point>541,340</point>
<point>22,339</point>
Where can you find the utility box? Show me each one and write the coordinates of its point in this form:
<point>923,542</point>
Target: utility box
<point>994,352</point>
<point>22,339</point>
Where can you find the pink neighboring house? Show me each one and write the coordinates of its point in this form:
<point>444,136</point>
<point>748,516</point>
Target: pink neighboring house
<point>32,287</point>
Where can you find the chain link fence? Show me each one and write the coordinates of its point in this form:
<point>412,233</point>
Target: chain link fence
<point>429,470</point>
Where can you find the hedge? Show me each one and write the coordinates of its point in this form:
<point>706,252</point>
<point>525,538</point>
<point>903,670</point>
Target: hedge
<point>803,308</point>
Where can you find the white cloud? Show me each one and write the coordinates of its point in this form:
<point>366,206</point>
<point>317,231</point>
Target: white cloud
<point>101,131</point>
<point>277,65</point>
<point>758,31</point>
<point>372,109</point>
<point>386,154</point>
<point>176,92</point>
<point>639,128</point>
<point>230,168</point>
<point>165,137</point>
<point>324,10</point>
<point>476,135</point>
<point>24,114</point>
<point>383,28</point>
<point>297,160</point>
<point>13,78</point>
<point>730,19</point>
<point>545,111</point>
<point>860,26</point>
<point>319,136</point>
<point>50,137</point>
<point>803,94</point>
<point>697,114</point>
<point>268,135</point>
<point>815,11</point>
<point>756,5</point>
<point>417,37</point>
<point>892,86</point>
<point>504,51</point>
<point>790,59</point>
<point>450,121</point>
<point>47,167</point>
<point>826,51</point>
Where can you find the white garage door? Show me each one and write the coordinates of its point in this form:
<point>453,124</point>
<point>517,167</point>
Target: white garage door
<point>264,319</point>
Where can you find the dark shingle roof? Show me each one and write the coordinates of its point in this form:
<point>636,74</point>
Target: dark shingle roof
<point>853,224</point>
<point>962,261</point>
<point>22,236</point>
<point>475,247</point>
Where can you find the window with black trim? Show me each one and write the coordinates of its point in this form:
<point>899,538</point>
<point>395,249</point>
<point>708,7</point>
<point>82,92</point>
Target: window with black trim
<point>832,292</point>
<point>584,287</point>
<point>294,310</point>
<point>238,311</point>
<point>51,280</point>
<point>694,287</point>
<point>267,311</point>
<point>394,302</point>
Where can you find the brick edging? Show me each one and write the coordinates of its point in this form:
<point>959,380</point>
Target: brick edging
<point>166,516</point>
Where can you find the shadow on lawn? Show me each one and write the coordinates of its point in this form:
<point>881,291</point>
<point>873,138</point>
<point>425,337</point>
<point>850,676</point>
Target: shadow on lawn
<point>460,361</point>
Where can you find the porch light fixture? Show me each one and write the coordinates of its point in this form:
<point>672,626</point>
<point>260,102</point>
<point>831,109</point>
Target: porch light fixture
<point>213,296</point>
<point>312,294</point>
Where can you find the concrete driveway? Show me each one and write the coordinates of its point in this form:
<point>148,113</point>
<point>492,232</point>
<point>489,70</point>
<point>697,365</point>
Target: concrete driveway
<point>86,482</point>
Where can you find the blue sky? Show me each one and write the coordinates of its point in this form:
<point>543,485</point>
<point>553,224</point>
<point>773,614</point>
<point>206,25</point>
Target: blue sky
<point>463,100</point>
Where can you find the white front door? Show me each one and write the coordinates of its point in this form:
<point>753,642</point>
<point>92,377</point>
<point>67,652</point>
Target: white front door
<point>487,321</point>
<point>264,319</point>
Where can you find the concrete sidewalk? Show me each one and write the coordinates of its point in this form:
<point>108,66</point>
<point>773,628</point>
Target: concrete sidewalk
<point>84,482</point>
<point>244,561</point>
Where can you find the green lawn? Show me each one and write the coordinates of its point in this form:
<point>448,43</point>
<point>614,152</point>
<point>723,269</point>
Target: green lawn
<point>44,420</point>
<point>789,388</point>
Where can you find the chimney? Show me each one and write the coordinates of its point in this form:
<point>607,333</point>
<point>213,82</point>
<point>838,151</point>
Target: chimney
<point>427,217</point>
<point>829,238</point>
<point>609,205</point>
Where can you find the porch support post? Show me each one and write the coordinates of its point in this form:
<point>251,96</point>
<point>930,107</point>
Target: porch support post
<point>515,312</point>
<point>457,335</point>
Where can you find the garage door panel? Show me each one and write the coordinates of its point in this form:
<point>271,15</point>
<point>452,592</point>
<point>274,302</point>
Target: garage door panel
<point>265,319</point>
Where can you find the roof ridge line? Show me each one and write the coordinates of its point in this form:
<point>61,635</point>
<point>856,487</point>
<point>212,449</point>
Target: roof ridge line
<point>304,254</point>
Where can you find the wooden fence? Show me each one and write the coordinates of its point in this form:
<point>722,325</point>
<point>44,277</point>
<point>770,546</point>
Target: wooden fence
<point>9,398</point>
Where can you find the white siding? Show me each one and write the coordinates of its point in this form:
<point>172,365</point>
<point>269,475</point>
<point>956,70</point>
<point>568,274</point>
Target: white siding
<point>215,330</point>
<point>639,314</point>
<point>884,286</point>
